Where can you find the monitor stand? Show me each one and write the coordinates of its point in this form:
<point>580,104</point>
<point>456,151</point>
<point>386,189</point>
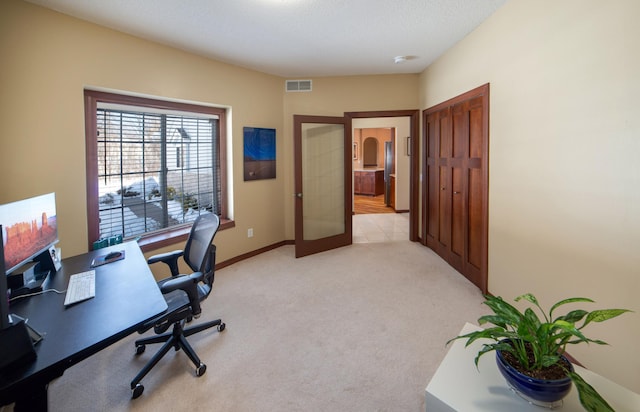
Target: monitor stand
<point>30,277</point>
<point>34,285</point>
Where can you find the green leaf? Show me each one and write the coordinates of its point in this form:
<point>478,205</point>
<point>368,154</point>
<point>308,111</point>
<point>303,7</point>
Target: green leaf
<point>504,309</point>
<point>603,314</point>
<point>496,320</point>
<point>589,397</point>
<point>485,349</point>
<point>490,333</point>
<point>528,297</point>
<point>565,301</point>
<point>573,316</point>
<point>548,360</point>
<point>532,319</point>
<point>569,328</point>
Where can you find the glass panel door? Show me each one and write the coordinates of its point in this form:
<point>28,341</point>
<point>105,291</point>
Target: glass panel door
<point>323,183</point>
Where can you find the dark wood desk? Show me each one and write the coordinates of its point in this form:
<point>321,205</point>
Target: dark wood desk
<point>126,297</point>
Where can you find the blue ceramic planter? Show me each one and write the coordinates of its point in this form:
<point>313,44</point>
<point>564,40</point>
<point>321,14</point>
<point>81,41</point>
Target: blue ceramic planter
<point>547,391</point>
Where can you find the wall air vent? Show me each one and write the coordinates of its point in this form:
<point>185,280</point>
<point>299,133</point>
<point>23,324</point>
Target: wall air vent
<point>298,85</point>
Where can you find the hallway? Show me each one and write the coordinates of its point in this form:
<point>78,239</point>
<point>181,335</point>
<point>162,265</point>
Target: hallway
<point>380,227</point>
<point>363,204</point>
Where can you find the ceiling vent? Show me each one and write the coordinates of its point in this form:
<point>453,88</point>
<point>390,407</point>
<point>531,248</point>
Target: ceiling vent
<point>298,85</point>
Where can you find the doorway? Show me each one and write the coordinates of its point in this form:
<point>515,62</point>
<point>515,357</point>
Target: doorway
<point>373,168</point>
<point>342,236</point>
<point>406,123</point>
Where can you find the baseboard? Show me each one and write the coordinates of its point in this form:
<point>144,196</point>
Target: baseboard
<point>253,253</point>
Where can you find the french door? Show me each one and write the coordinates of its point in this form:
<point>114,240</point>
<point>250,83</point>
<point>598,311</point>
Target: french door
<point>323,183</point>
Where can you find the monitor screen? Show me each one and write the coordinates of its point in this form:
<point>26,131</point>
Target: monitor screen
<point>29,227</point>
<point>4,298</point>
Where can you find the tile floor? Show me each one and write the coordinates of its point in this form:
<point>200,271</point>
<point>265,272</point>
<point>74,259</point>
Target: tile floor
<point>380,227</point>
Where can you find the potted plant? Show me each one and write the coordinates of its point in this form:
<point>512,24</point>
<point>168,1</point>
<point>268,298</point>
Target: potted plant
<point>530,351</point>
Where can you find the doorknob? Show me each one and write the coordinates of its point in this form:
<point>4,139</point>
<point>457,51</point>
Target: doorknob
<point>298,195</point>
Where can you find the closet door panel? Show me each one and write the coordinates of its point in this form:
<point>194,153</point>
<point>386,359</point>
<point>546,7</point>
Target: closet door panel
<point>460,131</point>
<point>444,142</point>
<point>475,219</point>
<point>476,138</point>
<point>431,225</point>
<point>458,212</point>
<point>444,210</point>
<point>433,205</point>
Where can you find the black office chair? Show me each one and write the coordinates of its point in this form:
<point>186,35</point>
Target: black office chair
<point>183,294</point>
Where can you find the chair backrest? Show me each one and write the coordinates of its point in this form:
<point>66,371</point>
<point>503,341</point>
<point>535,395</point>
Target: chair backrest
<point>198,249</point>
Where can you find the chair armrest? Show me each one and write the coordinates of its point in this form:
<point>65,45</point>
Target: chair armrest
<point>169,258</point>
<point>188,284</point>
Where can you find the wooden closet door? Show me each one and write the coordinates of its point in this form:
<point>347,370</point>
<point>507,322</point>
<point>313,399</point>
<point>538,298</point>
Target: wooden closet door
<point>438,215</point>
<point>456,185</point>
<point>466,205</point>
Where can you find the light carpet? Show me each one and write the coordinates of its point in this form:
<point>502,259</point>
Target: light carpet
<point>360,328</point>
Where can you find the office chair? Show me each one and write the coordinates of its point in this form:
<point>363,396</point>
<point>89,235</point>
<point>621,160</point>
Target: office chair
<point>183,294</point>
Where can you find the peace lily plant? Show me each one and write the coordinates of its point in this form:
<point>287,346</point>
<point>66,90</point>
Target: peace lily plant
<point>537,345</point>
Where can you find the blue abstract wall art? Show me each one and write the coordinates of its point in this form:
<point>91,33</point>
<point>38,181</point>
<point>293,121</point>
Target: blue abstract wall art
<point>259,153</point>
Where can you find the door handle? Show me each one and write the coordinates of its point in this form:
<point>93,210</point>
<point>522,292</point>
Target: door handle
<point>456,193</point>
<point>298,195</point>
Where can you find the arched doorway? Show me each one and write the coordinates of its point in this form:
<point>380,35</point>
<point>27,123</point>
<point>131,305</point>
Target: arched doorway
<point>370,152</point>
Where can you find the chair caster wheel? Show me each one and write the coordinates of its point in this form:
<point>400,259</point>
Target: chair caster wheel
<point>137,391</point>
<point>221,327</point>
<point>140,349</point>
<point>200,370</point>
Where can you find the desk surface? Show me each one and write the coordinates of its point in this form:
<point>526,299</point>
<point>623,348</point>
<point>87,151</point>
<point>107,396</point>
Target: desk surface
<point>458,386</point>
<point>126,297</point>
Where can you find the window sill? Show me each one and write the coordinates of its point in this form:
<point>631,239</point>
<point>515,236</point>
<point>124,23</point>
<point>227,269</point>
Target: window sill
<point>161,239</point>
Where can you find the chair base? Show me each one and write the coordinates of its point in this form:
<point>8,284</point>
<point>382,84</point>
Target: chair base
<point>176,339</point>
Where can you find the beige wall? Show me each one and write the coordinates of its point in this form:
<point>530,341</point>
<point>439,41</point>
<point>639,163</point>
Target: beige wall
<point>49,58</point>
<point>564,204</point>
<point>333,96</point>
<point>47,61</point>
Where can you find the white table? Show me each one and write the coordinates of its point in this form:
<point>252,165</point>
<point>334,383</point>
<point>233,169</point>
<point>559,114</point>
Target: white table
<point>458,386</point>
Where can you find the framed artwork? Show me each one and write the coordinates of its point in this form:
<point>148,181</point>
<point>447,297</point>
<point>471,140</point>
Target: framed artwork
<point>259,153</point>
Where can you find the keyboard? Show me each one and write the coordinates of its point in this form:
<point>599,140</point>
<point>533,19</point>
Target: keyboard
<point>82,286</point>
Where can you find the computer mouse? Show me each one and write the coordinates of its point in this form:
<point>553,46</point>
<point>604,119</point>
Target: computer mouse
<point>113,255</point>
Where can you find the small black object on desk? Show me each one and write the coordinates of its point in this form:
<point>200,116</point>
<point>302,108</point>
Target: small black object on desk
<point>16,344</point>
<point>108,258</point>
<point>113,255</point>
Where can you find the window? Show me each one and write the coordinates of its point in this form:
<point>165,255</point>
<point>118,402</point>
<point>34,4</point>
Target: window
<point>152,166</point>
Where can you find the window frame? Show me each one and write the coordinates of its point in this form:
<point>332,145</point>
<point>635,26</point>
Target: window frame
<point>171,235</point>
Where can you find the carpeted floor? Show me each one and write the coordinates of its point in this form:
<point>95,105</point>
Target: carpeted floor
<point>360,328</point>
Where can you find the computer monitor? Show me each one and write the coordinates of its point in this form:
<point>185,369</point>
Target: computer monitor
<point>4,298</point>
<point>29,228</point>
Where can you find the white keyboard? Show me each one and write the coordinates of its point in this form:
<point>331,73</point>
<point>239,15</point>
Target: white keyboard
<point>82,286</point>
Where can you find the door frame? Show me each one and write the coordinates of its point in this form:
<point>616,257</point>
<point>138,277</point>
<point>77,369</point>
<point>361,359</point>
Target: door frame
<point>414,164</point>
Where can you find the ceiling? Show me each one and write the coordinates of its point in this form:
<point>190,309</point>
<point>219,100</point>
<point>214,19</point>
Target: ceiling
<point>295,38</point>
